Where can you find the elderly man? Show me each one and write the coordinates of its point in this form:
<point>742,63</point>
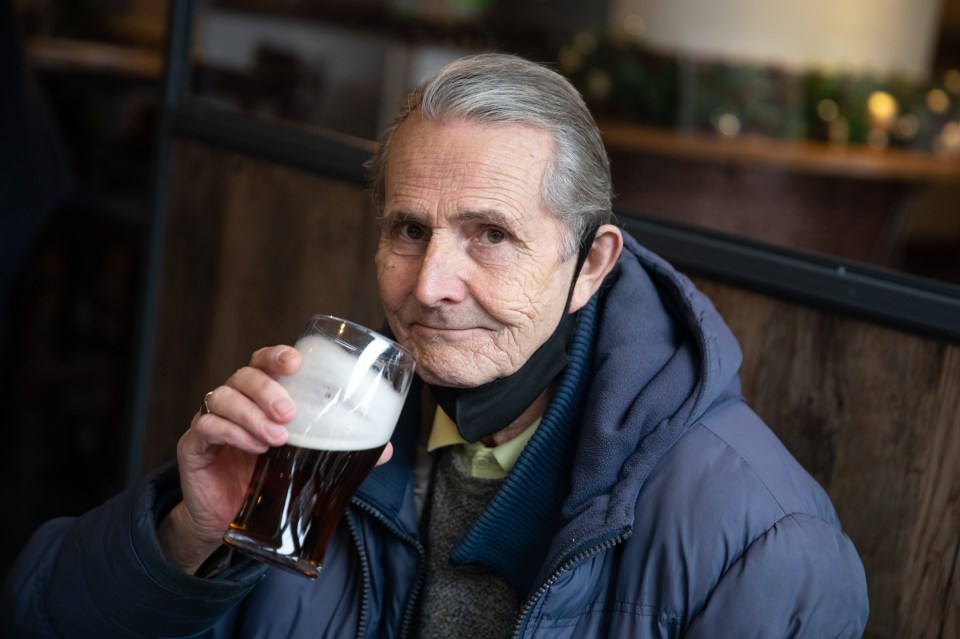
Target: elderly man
<point>575,460</point>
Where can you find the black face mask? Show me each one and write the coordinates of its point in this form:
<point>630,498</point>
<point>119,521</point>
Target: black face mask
<point>484,410</point>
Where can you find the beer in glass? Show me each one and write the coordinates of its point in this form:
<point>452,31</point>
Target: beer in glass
<point>349,391</point>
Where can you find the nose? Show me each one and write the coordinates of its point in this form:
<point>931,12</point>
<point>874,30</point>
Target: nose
<point>442,273</point>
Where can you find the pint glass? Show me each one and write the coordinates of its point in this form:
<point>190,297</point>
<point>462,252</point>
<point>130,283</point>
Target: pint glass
<point>348,392</point>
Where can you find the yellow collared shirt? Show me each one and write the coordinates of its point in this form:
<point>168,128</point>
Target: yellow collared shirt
<point>484,462</point>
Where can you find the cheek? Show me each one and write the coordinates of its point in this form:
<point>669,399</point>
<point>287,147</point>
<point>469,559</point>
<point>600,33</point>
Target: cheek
<point>508,300</point>
<point>522,294</point>
<point>394,279</point>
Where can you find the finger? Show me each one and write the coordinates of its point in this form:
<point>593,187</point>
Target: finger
<point>386,454</point>
<point>211,431</point>
<point>276,360</point>
<point>265,391</point>
<point>231,406</point>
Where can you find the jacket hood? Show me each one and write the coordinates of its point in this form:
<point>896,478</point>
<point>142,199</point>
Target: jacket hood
<point>662,357</point>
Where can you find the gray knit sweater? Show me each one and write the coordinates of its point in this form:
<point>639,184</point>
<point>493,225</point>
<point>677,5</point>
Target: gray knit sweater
<point>460,600</point>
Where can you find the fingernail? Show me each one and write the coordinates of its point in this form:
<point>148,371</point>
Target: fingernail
<point>276,430</point>
<point>284,356</point>
<point>284,407</point>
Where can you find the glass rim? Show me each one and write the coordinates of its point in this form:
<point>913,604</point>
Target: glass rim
<point>362,329</point>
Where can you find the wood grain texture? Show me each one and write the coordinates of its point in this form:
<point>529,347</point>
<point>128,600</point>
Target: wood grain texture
<point>874,415</point>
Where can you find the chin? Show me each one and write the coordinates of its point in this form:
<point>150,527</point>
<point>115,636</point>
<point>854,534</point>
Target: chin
<point>446,378</point>
<point>452,375</point>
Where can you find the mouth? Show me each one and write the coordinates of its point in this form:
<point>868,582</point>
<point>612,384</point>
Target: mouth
<point>444,332</point>
<point>441,328</point>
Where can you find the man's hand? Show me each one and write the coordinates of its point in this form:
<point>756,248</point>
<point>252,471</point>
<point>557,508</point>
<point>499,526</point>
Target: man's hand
<point>247,415</point>
<point>217,453</point>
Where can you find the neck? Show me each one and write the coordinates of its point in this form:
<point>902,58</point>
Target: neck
<point>521,423</point>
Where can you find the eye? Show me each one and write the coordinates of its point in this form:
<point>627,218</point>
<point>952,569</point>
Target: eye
<point>409,231</point>
<point>492,236</point>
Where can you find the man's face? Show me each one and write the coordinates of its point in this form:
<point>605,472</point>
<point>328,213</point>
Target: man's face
<point>469,263</point>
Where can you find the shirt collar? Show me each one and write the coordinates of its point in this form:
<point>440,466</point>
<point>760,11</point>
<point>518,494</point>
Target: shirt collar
<point>444,433</point>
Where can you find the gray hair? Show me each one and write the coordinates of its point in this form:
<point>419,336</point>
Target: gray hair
<point>501,88</point>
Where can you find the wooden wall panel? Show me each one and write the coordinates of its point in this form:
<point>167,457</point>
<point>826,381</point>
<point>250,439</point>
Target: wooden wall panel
<point>252,249</point>
<point>874,415</point>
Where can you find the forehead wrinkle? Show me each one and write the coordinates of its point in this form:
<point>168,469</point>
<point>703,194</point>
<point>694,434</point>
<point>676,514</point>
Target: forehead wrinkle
<point>525,169</point>
<point>502,186</point>
<point>484,188</point>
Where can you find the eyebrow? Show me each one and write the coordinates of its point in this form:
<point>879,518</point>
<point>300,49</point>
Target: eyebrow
<point>486,216</point>
<point>399,217</point>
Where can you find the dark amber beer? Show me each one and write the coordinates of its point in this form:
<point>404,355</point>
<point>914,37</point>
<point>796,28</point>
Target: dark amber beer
<point>295,500</point>
<point>349,391</point>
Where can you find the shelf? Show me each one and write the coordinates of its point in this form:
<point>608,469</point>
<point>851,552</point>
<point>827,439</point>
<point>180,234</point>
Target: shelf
<point>84,56</point>
<point>855,162</point>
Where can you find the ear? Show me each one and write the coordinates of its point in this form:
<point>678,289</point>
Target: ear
<point>603,254</point>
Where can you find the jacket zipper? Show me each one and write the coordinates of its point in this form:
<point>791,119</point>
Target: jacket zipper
<point>418,581</point>
<point>569,563</point>
<point>362,626</point>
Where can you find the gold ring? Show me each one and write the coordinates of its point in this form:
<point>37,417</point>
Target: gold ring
<point>204,409</point>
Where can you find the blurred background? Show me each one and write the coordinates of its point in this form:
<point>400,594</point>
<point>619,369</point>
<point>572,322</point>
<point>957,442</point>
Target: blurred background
<point>827,127</point>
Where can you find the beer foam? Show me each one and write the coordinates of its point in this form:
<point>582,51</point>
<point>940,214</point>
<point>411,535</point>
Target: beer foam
<point>340,405</point>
